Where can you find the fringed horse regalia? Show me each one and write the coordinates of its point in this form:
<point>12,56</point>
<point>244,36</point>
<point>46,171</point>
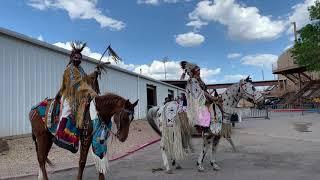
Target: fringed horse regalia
<point>204,111</point>
<point>171,123</point>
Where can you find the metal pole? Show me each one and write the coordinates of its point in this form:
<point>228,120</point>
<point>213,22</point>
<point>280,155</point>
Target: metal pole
<point>164,60</point>
<point>300,98</point>
<point>295,31</point>
<point>165,71</point>
<point>138,92</point>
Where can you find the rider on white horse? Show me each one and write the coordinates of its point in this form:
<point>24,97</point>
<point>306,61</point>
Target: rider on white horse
<point>204,111</point>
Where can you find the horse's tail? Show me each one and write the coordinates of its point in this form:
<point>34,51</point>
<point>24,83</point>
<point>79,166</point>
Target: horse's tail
<point>32,115</point>
<point>151,117</point>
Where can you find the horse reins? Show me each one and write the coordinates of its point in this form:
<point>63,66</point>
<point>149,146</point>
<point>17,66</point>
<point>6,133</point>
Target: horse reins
<point>109,130</point>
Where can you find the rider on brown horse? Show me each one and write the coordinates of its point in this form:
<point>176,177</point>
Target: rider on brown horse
<point>77,87</point>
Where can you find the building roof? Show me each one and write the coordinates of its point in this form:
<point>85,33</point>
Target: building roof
<point>289,70</point>
<point>46,45</point>
<point>183,83</point>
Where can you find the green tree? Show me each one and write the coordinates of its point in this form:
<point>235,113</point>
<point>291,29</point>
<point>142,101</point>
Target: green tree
<point>306,50</point>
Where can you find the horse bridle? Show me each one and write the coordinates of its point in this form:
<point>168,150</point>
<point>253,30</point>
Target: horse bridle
<point>250,95</point>
<point>129,114</point>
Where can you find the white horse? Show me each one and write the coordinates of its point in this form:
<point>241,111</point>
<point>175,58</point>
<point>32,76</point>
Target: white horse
<point>231,97</point>
<point>171,123</point>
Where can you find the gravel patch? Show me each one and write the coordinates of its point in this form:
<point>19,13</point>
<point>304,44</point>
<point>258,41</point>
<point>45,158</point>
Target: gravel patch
<point>22,160</point>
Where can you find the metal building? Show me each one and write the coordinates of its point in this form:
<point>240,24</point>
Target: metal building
<point>31,70</point>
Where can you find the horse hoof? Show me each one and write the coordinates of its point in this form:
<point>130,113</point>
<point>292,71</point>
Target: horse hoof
<point>200,168</point>
<point>40,175</point>
<point>235,150</point>
<point>169,171</point>
<point>215,166</point>
<point>178,167</point>
<point>157,169</point>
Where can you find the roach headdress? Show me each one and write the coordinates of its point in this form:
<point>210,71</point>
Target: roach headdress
<point>77,48</point>
<point>188,68</point>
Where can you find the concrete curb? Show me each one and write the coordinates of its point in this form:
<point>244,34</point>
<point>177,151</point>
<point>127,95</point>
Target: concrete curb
<point>134,149</point>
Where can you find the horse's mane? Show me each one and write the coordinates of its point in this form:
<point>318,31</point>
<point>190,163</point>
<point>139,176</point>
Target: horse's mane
<point>109,99</point>
<point>93,82</point>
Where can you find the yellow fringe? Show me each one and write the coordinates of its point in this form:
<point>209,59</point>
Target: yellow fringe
<point>226,130</point>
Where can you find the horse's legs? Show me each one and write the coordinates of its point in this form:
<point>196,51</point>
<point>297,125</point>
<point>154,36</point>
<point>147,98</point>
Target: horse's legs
<point>165,158</point>
<point>175,164</point>
<point>44,145</point>
<point>205,147</point>
<point>215,142</point>
<point>232,144</point>
<point>84,149</point>
<point>101,176</point>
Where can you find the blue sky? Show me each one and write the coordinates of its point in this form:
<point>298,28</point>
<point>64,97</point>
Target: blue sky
<point>229,39</point>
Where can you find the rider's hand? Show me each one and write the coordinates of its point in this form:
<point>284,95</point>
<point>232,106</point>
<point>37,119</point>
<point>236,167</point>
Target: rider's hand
<point>98,71</point>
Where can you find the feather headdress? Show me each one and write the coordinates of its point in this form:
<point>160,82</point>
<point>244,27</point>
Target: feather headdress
<point>188,68</point>
<point>77,47</point>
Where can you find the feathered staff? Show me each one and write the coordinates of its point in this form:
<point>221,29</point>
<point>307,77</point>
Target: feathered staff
<point>112,54</point>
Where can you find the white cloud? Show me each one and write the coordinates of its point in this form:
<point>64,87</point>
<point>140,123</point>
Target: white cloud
<point>234,55</point>
<point>154,70</point>
<point>242,22</point>
<point>300,14</point>
<point>40,38</point>
<point>79,9</point>
<point>208,74</point>
<point>234,77</point>
<point>260,60</point>
<point>156,2</point>
<point>151,2</point>
<point>197,24</point>
<point>189,39</point>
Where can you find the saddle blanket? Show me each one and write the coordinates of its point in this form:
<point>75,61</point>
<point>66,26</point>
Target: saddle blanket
<point>65,133</point>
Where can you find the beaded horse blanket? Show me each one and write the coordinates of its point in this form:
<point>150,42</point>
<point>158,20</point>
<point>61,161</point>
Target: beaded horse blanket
<point>66,134</point>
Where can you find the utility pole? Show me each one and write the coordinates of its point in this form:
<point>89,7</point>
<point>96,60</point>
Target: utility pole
<point>164,60</point>
<point>295,31</point>
<point>295,41</point>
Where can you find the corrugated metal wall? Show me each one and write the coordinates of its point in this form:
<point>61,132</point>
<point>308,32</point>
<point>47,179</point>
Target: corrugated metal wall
<point>30,73</point>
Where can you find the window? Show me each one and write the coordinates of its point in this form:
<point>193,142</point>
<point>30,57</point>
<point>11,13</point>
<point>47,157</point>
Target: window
<point>170,94</point>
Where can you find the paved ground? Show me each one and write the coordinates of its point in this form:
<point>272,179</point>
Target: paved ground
<point>21,159</point>
<point>268,150</point>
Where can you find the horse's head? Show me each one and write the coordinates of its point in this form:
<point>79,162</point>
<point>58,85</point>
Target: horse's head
<point>249,92</point>
<point>123,118</point>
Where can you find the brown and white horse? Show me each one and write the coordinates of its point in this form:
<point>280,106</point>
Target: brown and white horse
<point>107,106</point>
